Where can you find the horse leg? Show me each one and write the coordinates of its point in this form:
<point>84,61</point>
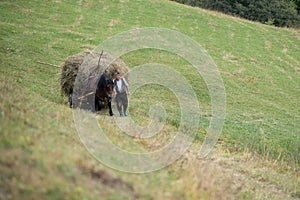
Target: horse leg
<point>96,106</point>
<point>70,100</point>
<point>109,106</point>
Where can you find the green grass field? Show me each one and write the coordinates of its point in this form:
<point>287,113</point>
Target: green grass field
<point>256,157</point>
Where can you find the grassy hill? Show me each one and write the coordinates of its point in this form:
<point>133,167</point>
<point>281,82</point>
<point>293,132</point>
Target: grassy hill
<point>257,156</point>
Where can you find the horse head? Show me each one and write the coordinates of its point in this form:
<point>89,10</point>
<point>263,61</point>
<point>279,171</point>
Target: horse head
<point>109,87</point>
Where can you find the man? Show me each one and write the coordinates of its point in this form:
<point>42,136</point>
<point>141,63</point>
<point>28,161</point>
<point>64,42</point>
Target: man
<point>121,91</point>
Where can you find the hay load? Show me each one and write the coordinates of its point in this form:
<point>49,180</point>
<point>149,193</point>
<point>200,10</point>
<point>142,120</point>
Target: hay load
<point>88,64</point>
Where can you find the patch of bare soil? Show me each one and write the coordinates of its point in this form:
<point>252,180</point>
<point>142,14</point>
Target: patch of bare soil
<point>108,179</point>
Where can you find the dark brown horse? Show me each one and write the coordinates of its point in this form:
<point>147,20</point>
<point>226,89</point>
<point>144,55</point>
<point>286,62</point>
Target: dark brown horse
<point>103,93</point>
<point>97,94</point>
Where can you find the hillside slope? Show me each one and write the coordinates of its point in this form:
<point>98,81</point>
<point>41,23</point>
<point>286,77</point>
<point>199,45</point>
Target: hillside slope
<point>257,156</point>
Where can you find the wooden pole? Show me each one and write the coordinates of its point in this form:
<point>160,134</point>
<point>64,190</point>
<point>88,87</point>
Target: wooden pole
<point>44,63</point>
<point>100,58</point>
<point>85,95</point>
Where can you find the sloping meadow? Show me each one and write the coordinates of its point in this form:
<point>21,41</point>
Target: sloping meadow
<point>259,65</point>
